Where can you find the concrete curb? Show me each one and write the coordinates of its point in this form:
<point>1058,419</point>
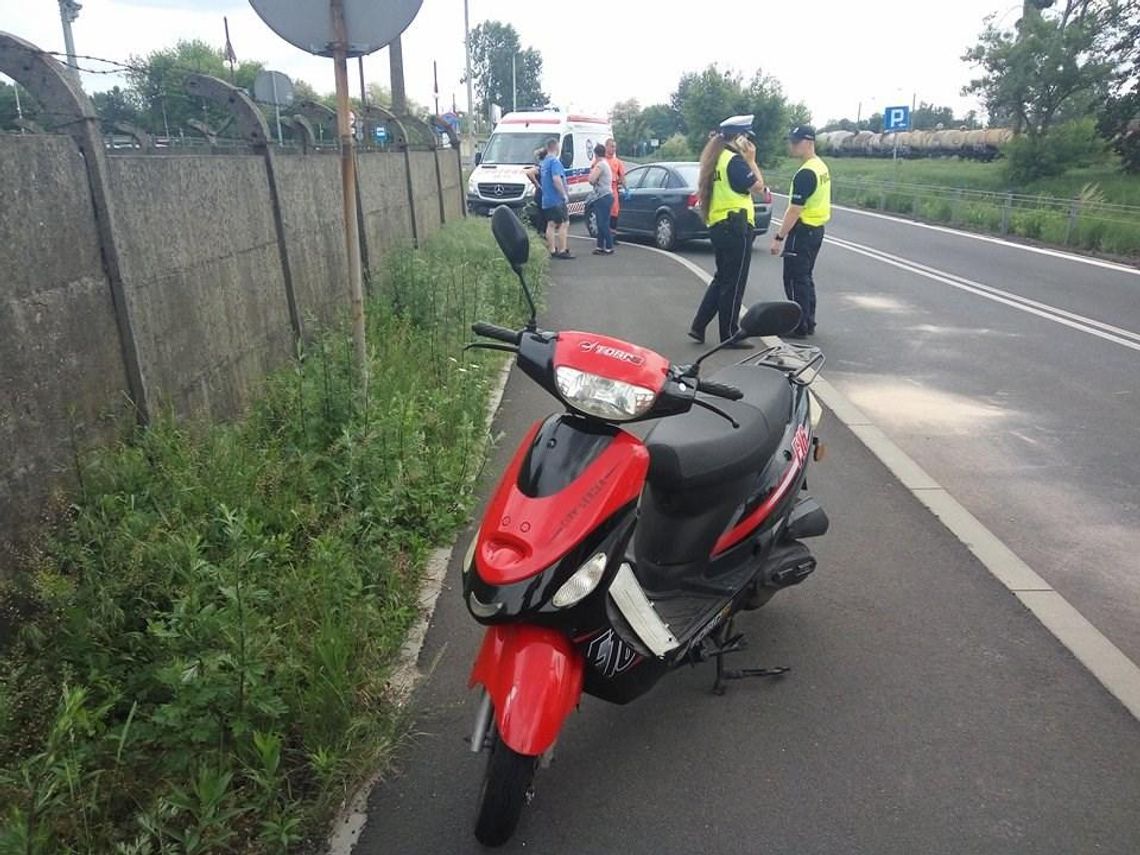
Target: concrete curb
<point>350,821</point>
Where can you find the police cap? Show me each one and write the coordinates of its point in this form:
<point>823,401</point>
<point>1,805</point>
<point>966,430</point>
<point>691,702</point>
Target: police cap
<point>736,126</point>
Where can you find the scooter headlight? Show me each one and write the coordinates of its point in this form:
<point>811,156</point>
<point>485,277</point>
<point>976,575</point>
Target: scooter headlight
<point>582,583</point>
<point>614,400</point>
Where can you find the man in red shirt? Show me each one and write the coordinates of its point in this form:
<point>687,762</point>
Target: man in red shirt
<point>618,169</point>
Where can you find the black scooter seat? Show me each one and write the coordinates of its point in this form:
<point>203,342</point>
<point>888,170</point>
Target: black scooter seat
<point>701,449</point>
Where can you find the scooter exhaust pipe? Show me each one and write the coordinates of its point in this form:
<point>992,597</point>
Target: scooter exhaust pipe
<point>789,564</point>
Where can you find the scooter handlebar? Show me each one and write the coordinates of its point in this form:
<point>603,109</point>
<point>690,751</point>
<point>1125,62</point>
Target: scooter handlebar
<point>496,332</point>
<point>720,390</point>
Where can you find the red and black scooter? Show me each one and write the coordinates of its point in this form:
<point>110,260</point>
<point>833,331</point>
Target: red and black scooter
<point>604,561</point>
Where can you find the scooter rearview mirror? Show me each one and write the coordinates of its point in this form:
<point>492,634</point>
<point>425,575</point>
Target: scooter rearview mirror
<point>514,242</point>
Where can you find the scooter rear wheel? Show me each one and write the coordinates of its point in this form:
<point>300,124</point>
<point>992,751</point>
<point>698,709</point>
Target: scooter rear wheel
<point>505,791</point>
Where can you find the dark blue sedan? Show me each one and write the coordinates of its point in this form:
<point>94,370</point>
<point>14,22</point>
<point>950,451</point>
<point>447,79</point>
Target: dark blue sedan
<point>661,203</point>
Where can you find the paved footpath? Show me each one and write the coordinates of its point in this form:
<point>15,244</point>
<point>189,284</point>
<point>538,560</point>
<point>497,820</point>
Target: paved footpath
<point>926,712</point>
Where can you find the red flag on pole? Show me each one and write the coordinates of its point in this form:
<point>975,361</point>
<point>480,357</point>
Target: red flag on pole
<point>230,56</point>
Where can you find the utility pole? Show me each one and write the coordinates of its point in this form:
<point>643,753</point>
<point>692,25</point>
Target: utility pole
<point>396,64</point>
<point>348,188</point>
<point>514,86</point>
<point>470,87</point>
<point>435,78</point>
<point>68,12</point>
<point>363,91</point>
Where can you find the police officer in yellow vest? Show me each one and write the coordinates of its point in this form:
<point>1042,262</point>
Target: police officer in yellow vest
<point>801,234</point>
<point>728,178</point>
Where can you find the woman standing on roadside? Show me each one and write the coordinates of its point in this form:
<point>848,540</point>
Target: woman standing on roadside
<point>728,178</point>
<point>602,200</point>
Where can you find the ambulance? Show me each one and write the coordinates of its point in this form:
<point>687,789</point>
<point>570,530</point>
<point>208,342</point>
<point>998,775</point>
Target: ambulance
<point>498,178</point>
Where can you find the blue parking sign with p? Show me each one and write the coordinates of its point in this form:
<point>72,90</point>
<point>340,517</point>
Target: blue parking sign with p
<point>896,119</point>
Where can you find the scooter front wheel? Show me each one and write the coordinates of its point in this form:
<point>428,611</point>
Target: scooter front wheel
<point>506,790</point>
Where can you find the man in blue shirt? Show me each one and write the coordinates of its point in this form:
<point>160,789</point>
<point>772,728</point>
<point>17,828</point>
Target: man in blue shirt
<point>555,202</point>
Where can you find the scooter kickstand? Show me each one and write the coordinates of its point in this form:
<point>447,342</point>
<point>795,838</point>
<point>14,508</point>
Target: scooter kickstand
<point>734,644</point>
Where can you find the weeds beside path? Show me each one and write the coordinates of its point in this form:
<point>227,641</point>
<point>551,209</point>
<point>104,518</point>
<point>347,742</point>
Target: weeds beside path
<point>202,644</point>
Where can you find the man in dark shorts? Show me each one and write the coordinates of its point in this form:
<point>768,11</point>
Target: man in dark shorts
<point>555,202</point>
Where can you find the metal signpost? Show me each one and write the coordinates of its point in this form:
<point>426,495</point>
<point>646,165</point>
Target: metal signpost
<point>340,29</point>
<point>273,87</point>
<point>896,120</point>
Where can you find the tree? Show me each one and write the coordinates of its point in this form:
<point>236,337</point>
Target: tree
<point>927,117</point>
<point>1055,67</point>
<point>116,105</point>
<point>8,112</point>
<point>705,99</point>
<point>1119,120</point>
<point>662,121</point>
<point>157,81</point>
<point>630,127</point>
<point>494,46</point>
<point>675,148</point>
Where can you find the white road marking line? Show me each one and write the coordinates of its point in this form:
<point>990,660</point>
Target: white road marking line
<point>1103,659</point>
<point>1100,329</point>
<point>1039,250</point>
<point>1116,335</point>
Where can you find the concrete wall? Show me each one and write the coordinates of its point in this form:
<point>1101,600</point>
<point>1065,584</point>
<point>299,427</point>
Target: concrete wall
<point>425,192</point>
<point>313,211</point>
<point>62,381</point>
<point>384,201</point>
<point>203,279</point>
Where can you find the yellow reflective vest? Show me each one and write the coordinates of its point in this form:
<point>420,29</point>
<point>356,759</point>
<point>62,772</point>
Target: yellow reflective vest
<point>817,206</point>
<point>724,199</point>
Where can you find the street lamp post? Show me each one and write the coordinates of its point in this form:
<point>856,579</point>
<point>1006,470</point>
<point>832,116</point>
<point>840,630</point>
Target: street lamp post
<point>68,12</point>
<point>470,88</point>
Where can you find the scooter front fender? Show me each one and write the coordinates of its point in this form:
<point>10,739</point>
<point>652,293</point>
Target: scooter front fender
<point>534,677</point>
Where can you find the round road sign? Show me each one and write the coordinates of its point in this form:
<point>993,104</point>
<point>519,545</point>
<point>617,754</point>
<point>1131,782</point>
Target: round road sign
<point>307,24</point>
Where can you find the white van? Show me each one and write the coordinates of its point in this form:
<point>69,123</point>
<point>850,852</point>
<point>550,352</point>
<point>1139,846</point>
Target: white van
<point>498,178</point>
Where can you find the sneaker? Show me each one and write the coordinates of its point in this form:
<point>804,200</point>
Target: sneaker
<point>565,255</point>
<point>599,252</point>
<point>740,345</point>
<point>697,336</point>
<point>608,252</point>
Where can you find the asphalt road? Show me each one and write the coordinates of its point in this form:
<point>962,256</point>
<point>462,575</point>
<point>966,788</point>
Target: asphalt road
<point>926,711</point>
<point>1029,422</point>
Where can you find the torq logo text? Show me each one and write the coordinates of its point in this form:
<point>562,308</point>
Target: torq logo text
<point>611,352</point>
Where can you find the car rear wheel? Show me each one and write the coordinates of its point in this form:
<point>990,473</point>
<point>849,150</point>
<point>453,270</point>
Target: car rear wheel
<point>665,233</point>
<point>506,791</point>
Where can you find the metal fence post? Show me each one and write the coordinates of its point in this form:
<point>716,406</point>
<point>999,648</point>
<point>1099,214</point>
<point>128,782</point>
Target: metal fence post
<point>1006,213</point>
<point>956,208</point>
<point>1071,225</point>
<point>55,89</point>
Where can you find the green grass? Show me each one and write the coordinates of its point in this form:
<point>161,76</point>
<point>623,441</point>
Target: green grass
<point>1043,215</point>
<point>1117,187</point>
<point>201,644</point>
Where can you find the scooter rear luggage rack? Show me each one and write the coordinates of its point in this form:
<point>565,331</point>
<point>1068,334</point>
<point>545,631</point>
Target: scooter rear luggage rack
<point>801,362</point>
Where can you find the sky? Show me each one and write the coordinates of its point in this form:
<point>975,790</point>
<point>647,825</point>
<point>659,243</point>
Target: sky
<point>875,52</point>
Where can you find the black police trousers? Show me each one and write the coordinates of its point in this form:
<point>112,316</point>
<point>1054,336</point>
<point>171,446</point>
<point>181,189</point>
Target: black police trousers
<point>801,248</point>
<point>732,243</point>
